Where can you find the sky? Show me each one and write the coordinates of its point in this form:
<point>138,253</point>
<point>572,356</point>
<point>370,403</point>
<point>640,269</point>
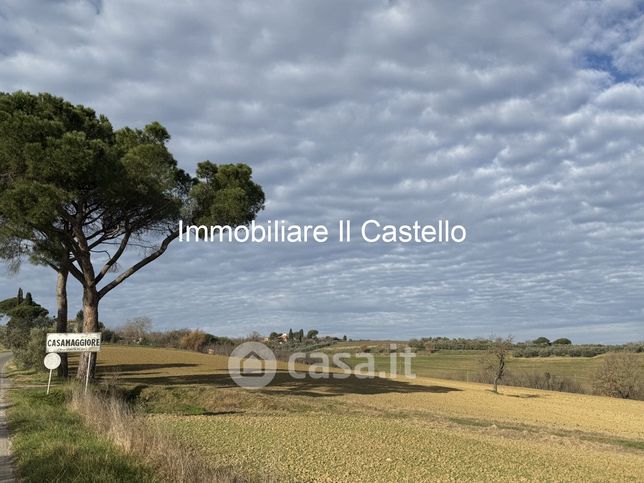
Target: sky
<point>521,120</point>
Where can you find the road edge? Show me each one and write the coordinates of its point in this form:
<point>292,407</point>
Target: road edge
<point>7,469</point>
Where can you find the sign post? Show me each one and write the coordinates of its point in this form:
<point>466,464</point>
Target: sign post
<point>52,361</point>
<point>69,342</point>
<point>89,365</point>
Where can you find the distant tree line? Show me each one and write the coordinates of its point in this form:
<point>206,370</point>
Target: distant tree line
<point>295,336</point>
<point>539,347</point>
<point>139,331</point>
<point>620,373</point>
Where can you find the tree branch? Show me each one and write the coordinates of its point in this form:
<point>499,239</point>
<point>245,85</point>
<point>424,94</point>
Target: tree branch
<point>137,266</point>
<point>76,273</point>
<point>52,265</point>
<point>113,259</point>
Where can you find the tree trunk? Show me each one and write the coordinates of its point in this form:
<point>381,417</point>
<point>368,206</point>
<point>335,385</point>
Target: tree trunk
<point>495,388</point>
<point>90,324</point>
<point>61,320</point>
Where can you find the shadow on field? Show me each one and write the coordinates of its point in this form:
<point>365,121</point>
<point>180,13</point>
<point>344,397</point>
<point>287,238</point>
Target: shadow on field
<point>282,383</point>
<point>125,369</point>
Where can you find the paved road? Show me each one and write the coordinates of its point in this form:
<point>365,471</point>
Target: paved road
<point>6,466</point>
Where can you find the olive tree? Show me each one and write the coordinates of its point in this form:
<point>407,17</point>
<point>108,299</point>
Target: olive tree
<point>495,364</point>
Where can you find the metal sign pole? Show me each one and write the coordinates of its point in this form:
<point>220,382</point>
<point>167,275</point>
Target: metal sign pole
<point>89,367</point>
<point>49,383</point>
<point>52,361</point>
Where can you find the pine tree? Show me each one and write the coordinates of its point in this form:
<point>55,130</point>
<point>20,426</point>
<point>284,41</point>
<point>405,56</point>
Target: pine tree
<point>71,184</point>
<point>20,296</point>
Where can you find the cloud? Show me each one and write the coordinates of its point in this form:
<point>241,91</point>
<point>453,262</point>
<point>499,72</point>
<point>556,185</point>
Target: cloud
<point>520,120</point>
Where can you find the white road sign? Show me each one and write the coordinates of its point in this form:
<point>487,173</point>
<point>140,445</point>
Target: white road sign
<point>52,361</point>
<point>82,342</point>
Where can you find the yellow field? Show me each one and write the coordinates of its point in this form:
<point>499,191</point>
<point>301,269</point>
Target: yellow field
<point>381,429</point>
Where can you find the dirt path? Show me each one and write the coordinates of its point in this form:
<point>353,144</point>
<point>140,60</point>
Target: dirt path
<point>6,464</point>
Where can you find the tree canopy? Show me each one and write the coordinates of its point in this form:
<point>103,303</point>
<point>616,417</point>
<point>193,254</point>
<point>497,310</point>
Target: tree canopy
<point>541,341</point>
<point>24,315</point>
<point>22,308</point>
<point>76,194</point>
<point>562,341</point>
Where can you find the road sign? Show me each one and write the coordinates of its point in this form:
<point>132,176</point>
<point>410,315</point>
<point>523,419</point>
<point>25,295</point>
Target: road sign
<point>70,342</point>
<point>52,361</point>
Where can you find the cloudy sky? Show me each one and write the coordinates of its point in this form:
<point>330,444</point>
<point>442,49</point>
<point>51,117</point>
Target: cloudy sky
<point>523,121</point>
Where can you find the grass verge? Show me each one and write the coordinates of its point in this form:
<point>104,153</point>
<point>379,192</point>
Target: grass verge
<point>50,443</point>
<point>147,440</point>
<point>70,436</point>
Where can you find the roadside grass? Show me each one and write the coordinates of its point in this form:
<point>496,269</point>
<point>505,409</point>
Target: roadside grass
<point>50,443</point>
<point>25,376</point>
<point>108,414</point>
<point>72,436</point>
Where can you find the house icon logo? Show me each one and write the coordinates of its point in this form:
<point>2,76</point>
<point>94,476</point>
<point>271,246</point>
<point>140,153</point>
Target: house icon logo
<point>252,365</point>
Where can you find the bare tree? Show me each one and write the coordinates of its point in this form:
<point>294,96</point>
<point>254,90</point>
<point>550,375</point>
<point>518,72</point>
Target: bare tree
<point>136,329</point>
<point>496,361</point>
<point>254,336</point>
<point>619,376</point>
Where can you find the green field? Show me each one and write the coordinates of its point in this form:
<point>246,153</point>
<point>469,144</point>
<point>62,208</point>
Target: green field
<point>464,365</point>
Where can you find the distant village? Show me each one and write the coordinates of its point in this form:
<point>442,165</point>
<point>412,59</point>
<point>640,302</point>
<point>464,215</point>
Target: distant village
<point>299,336</point>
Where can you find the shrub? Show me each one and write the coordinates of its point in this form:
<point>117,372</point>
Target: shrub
<point>429,346</point>
<point>170,338</point>
<point>619,376</point>
<point>195,340</point>
<point>31,354</point>
<point>110,336</point>
<point>634,347</point>
<point>416,344</point>
<point>545,380</point>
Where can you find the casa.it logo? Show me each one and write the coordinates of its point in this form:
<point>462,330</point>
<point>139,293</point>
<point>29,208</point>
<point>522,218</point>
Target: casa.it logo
<point>252,365</point>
